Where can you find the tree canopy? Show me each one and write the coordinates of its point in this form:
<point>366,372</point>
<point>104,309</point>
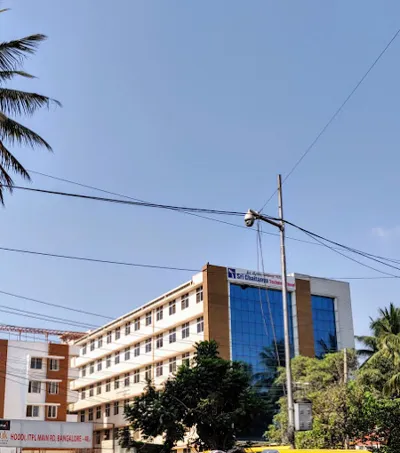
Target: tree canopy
<point>212,399</point>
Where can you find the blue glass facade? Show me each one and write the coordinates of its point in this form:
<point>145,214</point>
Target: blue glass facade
<point>324,325</point>
<point>251,329</point>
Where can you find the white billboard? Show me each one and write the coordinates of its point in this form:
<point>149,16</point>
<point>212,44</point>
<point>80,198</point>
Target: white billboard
<point>45,434</point>
<point>243,276</point>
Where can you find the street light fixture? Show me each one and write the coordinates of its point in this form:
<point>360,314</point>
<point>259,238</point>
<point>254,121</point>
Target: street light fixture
<point>249,219</point>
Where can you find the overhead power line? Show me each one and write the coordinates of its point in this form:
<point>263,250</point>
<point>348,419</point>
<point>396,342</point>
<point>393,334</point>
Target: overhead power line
<point>335,114</point>
<point>129,202</point>
<point>50,304</point>
<point>322,240</point>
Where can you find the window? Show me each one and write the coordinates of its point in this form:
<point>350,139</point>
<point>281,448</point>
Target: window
<point>83,371</point>
<point>136,350</point>
<point>98,388</point>
<point>91,368</point>
<point>92,345</point>
<point>172,307</point>
<point>159,313</point>
<point>52,412</point>
<point>126,404</point>
<point>83,394</point>
<point>159,341</point>
<point>116,383</point>
<point>108,385</point>
<point>34,387</point>
<point>185,330</point>
<point>186,359</point>
<point>172,335</point>
<point>324,325</point>
<point>36,363</point>
<point>199,294</point>
<point>90,414</point>
<point>98,412</point>
<point>100,342</point>
<point>159,369</point>
<point>126,380</point>
<point>109,339</point>
<point>82,416</point>
<point>54,388</point>
<point>148,318</point>
<point>172,364</point>
<point>107,411</point>
<point>91,390</point>
<point>32,411</point>
<point>107,433</point>
<point>99,365</point>
<point>185,301</point>
<point>116,407</point>
<point>136,377</point>
<point>108,361</point>
<point>127,328</point>
<point>127,353</point>
<point>147,347</point>
<point>97,437</point>
<point>84,349</point>
<point>147,372</point>
<point>116,360</point>
<point>136,324</point>
<point>54,365</point>
<point>118,333</point>
<point>200,325</point>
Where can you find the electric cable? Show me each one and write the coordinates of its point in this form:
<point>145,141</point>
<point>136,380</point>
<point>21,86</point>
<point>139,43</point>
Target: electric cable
<point>336,113</point>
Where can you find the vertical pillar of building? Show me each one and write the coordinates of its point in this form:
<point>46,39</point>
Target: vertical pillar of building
<point>3,374</point>
<point>304,318</point>
<point>60,399</point>
<point>216,308</point>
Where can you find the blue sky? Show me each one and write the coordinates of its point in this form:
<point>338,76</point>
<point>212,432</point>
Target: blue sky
<point>202,104</point>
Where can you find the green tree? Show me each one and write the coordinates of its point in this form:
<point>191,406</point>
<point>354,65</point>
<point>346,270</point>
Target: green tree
<point>382,349</point>
<point>15,103</point>
<point>213,398</point>
<point>321,381</point>
<point>386,324</point>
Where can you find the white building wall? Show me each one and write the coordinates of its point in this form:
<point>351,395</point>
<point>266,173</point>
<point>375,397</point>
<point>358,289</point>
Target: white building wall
<point>163,354</point>
<point>18,374</point>
<point>340,292</point>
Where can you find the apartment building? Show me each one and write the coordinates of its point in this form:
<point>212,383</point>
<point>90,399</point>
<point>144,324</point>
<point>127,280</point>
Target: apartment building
<point>35,375</point>
<point>240,309</point>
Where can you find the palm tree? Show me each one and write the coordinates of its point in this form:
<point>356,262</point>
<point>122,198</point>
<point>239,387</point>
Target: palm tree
<point>382,350</point>
<point>388,323</point>
<point>17,103</point>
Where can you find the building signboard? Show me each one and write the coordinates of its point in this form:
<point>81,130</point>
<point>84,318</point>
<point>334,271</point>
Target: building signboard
<point>254,278</point>
<point>43,434</point>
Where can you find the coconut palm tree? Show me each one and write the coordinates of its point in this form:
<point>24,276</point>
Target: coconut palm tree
<point>15,103</point>
<point>387,323</point>
<point>382,350</point>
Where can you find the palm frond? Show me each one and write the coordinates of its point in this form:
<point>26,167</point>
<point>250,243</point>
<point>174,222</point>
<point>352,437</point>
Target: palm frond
<point>6,182</point>
<point>13,52</point>
<point>14,132</point>
<point>8,161</point>
<point>17,102</point>
<point>392,386</point>
<point>8,75</point>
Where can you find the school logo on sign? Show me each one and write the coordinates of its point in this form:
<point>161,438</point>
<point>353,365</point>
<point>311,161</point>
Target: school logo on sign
<point>231,273</point>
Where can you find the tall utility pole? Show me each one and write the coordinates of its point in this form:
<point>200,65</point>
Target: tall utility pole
<point>286,318</point>
<point>249,219</point>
